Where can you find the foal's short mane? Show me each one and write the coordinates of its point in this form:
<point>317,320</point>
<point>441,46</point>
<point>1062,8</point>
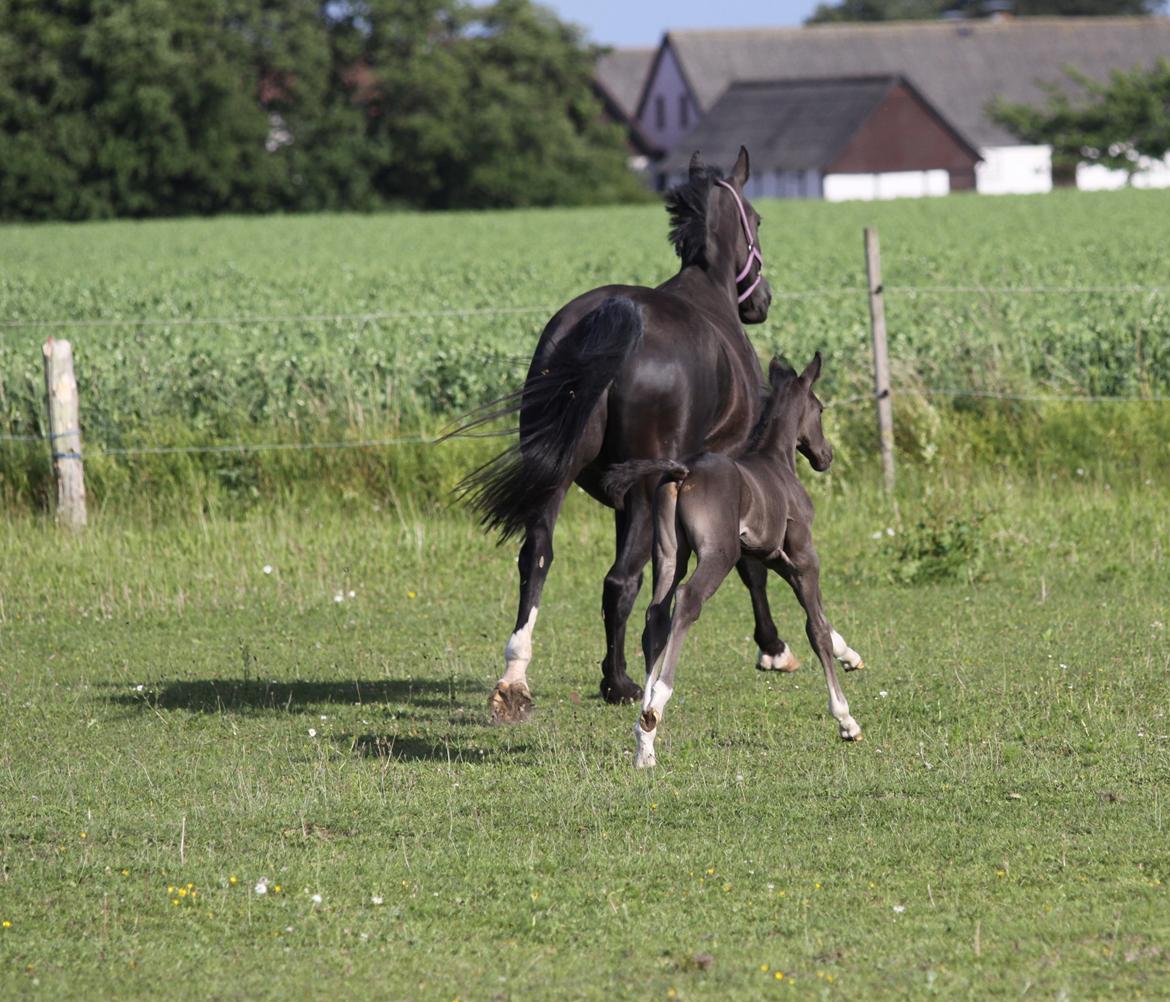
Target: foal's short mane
<point>687,205</point>
<point>780,378</point>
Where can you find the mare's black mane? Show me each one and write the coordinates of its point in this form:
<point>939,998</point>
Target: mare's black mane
<point>687,205</point>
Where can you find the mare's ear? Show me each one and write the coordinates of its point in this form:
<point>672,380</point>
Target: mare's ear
<point>742,169</point>
<point>697,165</point>
<point>812,371</point>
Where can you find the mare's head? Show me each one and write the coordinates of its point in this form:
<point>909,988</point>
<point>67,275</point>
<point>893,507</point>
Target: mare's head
<point>792,416</point>
<point>714,226</point>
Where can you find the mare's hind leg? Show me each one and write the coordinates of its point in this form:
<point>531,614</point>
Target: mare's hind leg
<point>511,700</point>
<point>775,654</point>
<point>622,583</point>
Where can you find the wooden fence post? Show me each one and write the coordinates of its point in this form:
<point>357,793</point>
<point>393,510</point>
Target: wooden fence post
<point>881,361</point>
<point>65,433</point>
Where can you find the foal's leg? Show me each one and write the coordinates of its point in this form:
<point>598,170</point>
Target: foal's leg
<point>712,568</point>
<point>622,583</point>
<point>775,654</point>
<point>511,700</point>
<point>802,571</point>
<point>672,553</point>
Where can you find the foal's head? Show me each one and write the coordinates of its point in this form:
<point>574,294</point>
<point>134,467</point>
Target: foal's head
<point>792,417</point>
<point>713,225</point>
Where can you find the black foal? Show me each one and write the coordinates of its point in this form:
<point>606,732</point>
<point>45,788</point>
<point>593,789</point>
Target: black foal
<point>723,508</point>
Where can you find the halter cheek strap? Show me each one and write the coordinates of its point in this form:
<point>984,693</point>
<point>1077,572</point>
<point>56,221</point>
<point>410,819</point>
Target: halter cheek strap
<point>753,249</point>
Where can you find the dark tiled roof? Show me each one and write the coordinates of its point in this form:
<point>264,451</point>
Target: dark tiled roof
<point>787,125</point>
<point>958,66</point>
<point>621,72</point>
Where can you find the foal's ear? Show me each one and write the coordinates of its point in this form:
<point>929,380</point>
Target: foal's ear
<point>742,169</point>
<point>779,370</point>
<point>697,165</point>
<point>812,371</point>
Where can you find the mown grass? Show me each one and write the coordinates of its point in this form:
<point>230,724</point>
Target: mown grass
<point>1001,830</point>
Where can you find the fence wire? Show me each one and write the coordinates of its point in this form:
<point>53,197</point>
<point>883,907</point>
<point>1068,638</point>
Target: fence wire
<point>487,311</point>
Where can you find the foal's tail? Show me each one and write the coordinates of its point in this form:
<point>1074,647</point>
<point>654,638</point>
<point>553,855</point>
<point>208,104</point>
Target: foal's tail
<point>621,478</point>
<point>554,407</point>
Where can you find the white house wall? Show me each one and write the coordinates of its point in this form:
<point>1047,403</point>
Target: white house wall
<point>895,184</point>
<point>668,85</point>
<point>1094,177</point>
<point>1014,170</point>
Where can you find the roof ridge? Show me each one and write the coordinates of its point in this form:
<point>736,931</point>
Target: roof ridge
<point>1143,20</point>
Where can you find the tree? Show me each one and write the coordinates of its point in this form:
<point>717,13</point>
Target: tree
<point>1122,124</point>
<point>901,10</point>
<point>150,107</point>
<point>483,106</point>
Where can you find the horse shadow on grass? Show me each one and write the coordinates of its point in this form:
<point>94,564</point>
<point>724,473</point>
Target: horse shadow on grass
<point>228,695</point>
<point>415,749</point>
<point>436,705</point>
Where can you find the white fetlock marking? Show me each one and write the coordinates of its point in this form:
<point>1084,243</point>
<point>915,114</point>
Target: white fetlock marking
<point>849,727</point>
<point>843,652</point>
<point>518,652</point>
<point>784,661</point>
<point>644,747</point>
<point>659,697</point>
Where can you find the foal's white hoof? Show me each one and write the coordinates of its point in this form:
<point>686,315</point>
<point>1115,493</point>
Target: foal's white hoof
<point>785,661</point>
<point>850,731</point>
<point>644,748</point>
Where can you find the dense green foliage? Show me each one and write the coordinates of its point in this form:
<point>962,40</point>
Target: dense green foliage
<point>1025,296</point>
<point>1123,123</point>
<point>149,108</point>
<point>902,10</point>
<point>172,715</point>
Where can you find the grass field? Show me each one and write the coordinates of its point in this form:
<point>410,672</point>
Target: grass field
<point>268,672</point>
<point>179,725</point>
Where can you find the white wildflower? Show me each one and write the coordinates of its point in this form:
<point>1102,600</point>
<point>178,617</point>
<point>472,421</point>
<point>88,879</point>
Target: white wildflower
<point>268,568</point>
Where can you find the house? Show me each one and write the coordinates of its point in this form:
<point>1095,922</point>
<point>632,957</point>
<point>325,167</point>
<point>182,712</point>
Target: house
<point>958,67</point>
<point>618,79</point>
<point>851,137</point>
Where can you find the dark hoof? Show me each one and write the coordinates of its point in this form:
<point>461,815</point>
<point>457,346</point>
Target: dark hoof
<point>510,704</point>
<point>620,690</point>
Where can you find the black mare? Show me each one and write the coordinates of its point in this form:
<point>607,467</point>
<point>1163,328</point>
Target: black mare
<point>626,372</point>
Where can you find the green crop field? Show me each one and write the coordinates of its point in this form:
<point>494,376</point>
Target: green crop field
<point>244,749</point>
<point>333,327</point>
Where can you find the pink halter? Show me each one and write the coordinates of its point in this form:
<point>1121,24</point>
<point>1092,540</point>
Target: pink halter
<point>753,250</point>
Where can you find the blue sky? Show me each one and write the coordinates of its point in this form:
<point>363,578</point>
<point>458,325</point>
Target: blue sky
<point>641,22</point>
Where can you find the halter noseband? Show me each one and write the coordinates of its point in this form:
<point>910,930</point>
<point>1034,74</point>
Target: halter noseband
<point>753,250</point>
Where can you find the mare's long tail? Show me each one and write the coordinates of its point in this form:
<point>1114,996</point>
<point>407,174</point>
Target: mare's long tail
<point>619,479</point>
<point>554,408</point>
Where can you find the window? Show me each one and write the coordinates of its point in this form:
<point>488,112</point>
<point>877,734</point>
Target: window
<point>660,112</point>
<point>683,109</point>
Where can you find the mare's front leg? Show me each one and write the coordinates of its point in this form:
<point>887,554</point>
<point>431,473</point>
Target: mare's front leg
<point>801,568</point>
<point>622,583</point>
<point>775,654</point>
<point>511,700</point>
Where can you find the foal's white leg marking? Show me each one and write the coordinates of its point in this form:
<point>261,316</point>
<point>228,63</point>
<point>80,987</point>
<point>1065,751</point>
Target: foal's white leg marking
<point>518,652</point>
<point>644,747</point>
<point>784,661</point>
<point>846,654</point>
<point>849,728</point>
